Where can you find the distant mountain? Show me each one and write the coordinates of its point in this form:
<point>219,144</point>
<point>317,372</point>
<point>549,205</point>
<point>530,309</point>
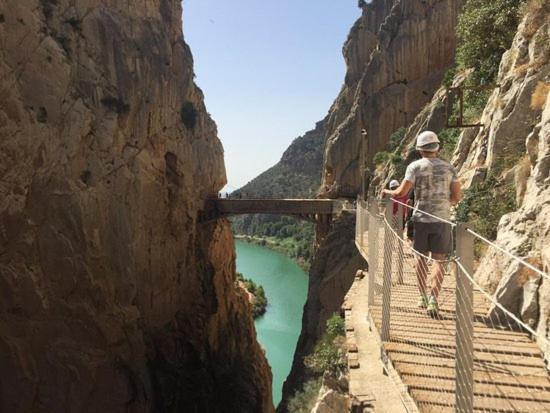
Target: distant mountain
<point>296,175</point>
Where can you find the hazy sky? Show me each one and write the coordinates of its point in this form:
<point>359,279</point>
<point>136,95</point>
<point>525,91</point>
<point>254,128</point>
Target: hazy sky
<point>269,70</point>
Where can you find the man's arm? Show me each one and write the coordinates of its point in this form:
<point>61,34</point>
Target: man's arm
<point>400,191</point>
<point>456,192</point>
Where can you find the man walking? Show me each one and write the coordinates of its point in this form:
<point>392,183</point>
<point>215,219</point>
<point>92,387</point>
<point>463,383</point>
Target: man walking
<point>436,187</point>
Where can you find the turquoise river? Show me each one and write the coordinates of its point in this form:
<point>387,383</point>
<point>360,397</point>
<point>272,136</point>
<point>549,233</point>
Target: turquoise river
<point>285,285</point>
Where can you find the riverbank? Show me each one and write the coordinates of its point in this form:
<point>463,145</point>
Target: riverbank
<point>285,246</point>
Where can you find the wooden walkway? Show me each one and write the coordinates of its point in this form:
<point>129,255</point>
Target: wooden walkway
<point>509,371</point>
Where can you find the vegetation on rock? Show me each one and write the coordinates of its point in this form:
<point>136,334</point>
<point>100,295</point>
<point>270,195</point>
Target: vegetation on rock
<point>259,299</point>
<point>485,31</point>
<point>484,203</point>
<point>328,355</point>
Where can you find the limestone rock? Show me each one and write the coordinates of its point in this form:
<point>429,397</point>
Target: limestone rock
<point>332,401</point>
<point>517,126</point>
<point>113,297</point>
<point>333,395</point>
<point>397,54</point>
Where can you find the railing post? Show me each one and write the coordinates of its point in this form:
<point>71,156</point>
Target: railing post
<point>372,248</point>
<point>399,230</point>
<point>464,322</point>
<point>386,282</point>
<point>361,222</point>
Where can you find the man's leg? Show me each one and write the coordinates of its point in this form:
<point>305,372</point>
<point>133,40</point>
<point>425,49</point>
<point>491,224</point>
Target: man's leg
<point>438,274</point>
<point>421,274</point>
<point>420,246</point>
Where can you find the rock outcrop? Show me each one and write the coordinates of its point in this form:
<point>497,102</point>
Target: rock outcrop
<point>334,394</point>
<point>113,296</point>
<point>397,54</point>
<point>516,139</point>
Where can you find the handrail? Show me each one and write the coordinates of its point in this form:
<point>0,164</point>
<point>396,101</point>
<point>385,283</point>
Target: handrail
<point>492,244</point>
<point>453,224</point>
<point>496,303</point>
<point>480,237</point>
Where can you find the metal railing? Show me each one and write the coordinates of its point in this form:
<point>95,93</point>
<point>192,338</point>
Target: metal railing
<point>473,354</point>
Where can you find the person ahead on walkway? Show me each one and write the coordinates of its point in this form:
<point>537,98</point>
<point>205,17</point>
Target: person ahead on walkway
<point>436,187</point>
<point>394,184</point>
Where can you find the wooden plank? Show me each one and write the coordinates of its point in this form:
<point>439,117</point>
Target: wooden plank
<point>509,371</point>
<point>481,357</point>
<point>486,345</point>
<point>485,403</point>
<point>480,388</point>
<point>448,373</point>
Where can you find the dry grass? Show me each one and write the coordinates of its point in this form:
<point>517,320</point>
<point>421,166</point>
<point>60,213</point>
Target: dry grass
<point>538,98</point>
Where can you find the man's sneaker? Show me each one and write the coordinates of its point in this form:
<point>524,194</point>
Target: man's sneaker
<point>423,301</point>
<point>433,307</point>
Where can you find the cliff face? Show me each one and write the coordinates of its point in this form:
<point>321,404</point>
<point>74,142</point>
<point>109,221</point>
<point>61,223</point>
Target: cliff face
<point>397,54</point>
<point>113,296</point>
<point>515,139</point>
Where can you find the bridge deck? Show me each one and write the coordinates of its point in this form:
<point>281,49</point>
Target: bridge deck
<point>509,370</point>
<point>275,206</point>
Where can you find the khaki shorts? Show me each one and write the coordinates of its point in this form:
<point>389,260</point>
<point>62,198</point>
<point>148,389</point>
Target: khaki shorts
<point>435,237</point>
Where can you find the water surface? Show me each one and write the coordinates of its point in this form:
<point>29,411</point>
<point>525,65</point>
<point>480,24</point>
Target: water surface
<point>285,285</point>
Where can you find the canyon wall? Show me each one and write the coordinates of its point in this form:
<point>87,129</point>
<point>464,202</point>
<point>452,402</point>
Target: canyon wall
<point>514,142</point>
<point>396,54</point>
<point>113,296</point>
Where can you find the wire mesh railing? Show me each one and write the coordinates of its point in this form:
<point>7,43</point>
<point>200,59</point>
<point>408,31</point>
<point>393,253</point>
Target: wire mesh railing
<point>455,346</point>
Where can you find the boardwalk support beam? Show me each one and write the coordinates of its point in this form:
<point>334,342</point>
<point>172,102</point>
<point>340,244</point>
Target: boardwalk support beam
<point>464,322</point>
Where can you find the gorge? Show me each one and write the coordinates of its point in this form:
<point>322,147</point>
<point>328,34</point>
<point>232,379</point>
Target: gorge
<point>115,296</point>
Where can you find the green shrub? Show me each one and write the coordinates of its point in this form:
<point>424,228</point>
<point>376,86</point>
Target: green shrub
<point>384,156</point>
<point>259,306</point>
<point>336,326</point>
<point>304,400</point>
<point>188,115</point>
<point>485,31</point>
<point>381,157</point>
<point>396,138</point>
<point>449,139</point>
<point>329,354</point>
<point>449,77</point>
<point>485,203</point>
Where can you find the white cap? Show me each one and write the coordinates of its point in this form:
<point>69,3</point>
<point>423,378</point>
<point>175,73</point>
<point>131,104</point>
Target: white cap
<point>427,138</point>
<point>394,183</point>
